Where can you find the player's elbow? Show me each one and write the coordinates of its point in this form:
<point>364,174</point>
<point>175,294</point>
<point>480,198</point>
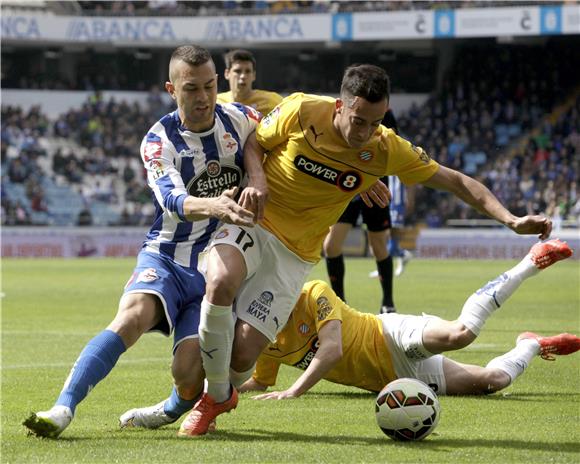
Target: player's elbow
<point>334,353</point>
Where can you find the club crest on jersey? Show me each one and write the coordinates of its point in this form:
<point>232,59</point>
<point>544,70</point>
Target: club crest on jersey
<point>148,275</point>
<point>324,308</point>
<point>365,155</point>
<point>303,328</point>
<point>229,144</point>
<point>223,233</point>
<point>260,307</point>
<point>346,181</point>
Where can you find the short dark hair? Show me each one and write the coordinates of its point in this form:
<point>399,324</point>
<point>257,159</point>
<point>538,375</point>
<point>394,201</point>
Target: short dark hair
<point>239,55</point>
<point>193,55</point>
<point>366,81</point>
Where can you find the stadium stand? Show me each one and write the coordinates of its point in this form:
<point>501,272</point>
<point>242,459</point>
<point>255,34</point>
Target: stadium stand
<point>504,113</point>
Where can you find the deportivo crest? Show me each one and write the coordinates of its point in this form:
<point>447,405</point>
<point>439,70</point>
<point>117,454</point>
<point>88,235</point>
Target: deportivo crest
<point>260,307</point>
<point>229,144</point>
<point>324,308</point>
<point>223,233</point>
<point>148,275</point>
<point>346,181</point>
<point>214,180</point>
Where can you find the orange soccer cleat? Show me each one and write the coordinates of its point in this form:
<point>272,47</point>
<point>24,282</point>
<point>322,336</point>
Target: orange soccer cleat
<point>201,419</point>
<point>544,254</point>
<point>557,345</point>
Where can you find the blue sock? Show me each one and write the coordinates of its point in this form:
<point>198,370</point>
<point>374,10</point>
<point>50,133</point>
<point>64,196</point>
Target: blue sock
<point>176,406</point>
<point>394,248</point>
<point>93,365</point>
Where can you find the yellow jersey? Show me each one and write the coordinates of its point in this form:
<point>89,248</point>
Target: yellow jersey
<point>313,174</point>
<point>260,100</point>
<point>366,362</point>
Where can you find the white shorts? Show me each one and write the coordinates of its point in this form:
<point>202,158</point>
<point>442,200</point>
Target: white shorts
<point>398,328</point>
<point>274,280</point>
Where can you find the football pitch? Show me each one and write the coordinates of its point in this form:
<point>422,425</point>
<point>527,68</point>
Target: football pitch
<point>51,308</point>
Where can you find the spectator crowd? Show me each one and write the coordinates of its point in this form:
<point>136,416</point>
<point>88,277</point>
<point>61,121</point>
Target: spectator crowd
<point>508,116</point>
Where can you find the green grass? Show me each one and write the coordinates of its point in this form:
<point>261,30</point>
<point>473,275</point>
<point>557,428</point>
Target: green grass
<point>51,308</point>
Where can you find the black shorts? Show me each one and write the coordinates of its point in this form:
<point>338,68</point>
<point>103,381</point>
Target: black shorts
<point>376,218</point>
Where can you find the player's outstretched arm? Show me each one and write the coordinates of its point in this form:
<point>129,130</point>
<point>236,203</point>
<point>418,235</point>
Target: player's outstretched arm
<point>328,354</point>
<point>478,196</point>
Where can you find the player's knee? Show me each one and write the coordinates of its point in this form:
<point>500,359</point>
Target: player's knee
<point>459,336</point>
<point>495,380</point>
<point>221,283</point>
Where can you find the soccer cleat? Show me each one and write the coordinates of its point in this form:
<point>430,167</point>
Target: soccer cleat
<point>49,424</point>
<point>400,262</point>
<point>199,420</point>
<point>151,417</point>
<point>557,345</point>
<point>544,254</point>
<point>387,310</point>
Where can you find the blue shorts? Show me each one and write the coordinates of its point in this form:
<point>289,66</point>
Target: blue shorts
<point>180,290</point>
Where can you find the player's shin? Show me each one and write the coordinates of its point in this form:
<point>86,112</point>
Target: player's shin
<point>514,362</point>
<point>483,303</point>
<point>93,364</point>
<point>216,335</point>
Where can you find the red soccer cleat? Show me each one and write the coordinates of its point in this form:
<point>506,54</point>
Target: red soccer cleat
<point>544,254</point>
<point>201,419</point>
<point>557,345</point>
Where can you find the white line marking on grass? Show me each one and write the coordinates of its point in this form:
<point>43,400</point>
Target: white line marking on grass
<point>68,364</point>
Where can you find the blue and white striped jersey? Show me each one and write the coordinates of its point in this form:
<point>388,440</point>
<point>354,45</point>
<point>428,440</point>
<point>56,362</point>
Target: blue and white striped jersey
<point>180,163</point>
<point>397,205</point>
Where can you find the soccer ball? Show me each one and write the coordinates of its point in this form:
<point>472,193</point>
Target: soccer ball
<point>407,409</point>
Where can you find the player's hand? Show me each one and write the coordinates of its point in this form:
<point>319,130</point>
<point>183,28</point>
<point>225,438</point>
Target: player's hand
<point>228,211</point>
<point>536,224</point>
<point>378,193</point>
<point>275,395</point>
<point>254,197</point>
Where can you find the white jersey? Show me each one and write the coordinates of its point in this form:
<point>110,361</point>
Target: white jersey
<point>180,163</point>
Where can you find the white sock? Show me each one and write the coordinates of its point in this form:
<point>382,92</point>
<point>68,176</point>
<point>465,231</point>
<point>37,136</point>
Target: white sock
<point>483,303</point>
<point>216,335</point>
<point>514,362</point>
<point>238,378</point>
